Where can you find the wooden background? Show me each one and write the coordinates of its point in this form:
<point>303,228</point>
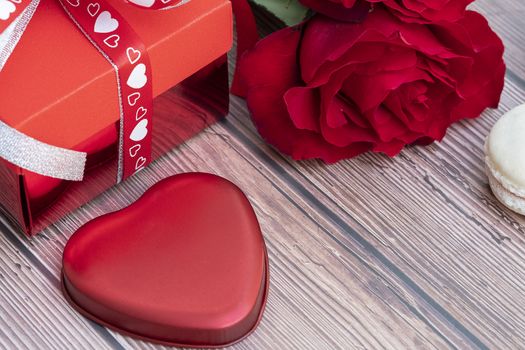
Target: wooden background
<point>371,253</point>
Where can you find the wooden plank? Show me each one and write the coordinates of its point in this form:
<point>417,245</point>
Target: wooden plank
<point>432,215</point>
<point>506,18</point>
<point>323,295</point>
<point>33,313</point>
<point>349,269</point>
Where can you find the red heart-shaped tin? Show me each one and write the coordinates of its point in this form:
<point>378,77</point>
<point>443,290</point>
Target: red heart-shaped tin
<point>185,265</point>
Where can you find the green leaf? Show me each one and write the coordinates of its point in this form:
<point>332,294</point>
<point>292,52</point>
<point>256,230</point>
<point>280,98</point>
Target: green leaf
<point>291,12</point>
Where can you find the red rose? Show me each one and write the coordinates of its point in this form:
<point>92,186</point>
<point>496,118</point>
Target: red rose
<point>335,90</point>
<point>343,10</point>
<point>423,11</point>
<point>419,11</point>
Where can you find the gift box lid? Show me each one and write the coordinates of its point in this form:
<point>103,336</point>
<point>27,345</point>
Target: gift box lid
<point>59,89</point>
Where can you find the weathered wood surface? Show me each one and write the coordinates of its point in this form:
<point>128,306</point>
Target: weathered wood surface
<point>371,253</point>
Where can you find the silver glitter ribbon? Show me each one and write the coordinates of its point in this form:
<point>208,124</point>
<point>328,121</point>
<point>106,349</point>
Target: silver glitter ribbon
<point>9,38</point>
<point>41,158</point>
<point>22,150</point>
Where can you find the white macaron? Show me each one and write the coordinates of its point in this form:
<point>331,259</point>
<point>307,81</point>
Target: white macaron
<point>505,159</point>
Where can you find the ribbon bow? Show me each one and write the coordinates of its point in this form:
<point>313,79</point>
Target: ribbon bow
<point>114,38</point>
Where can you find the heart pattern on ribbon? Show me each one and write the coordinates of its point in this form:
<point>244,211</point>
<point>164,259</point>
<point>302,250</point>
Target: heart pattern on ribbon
<point>6,9</point>
<point>93,9</point>
<point>137,79</point>
<point>105,23</point>
<point>133,55</point>
<point>158,4</point>
<point>140,131</point>
<point>133,98</point>
<point>134,150</point>
<point>74,3</point>
<point>113,37</point>
<point>143,3</point>
<point>112,41</point>
<point>140,164</point>
<point>141,112</point>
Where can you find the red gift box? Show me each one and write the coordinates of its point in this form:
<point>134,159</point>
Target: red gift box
<point>58,89</point>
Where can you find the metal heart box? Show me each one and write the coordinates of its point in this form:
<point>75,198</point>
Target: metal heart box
<point>185,265</point>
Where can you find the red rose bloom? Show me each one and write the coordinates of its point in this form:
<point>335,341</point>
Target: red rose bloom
<point>335,90</point>
<point>418,11</point>
<point>343,10</point>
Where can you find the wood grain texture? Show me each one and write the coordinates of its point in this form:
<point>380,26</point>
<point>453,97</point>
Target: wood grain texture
<point>371,253</point>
